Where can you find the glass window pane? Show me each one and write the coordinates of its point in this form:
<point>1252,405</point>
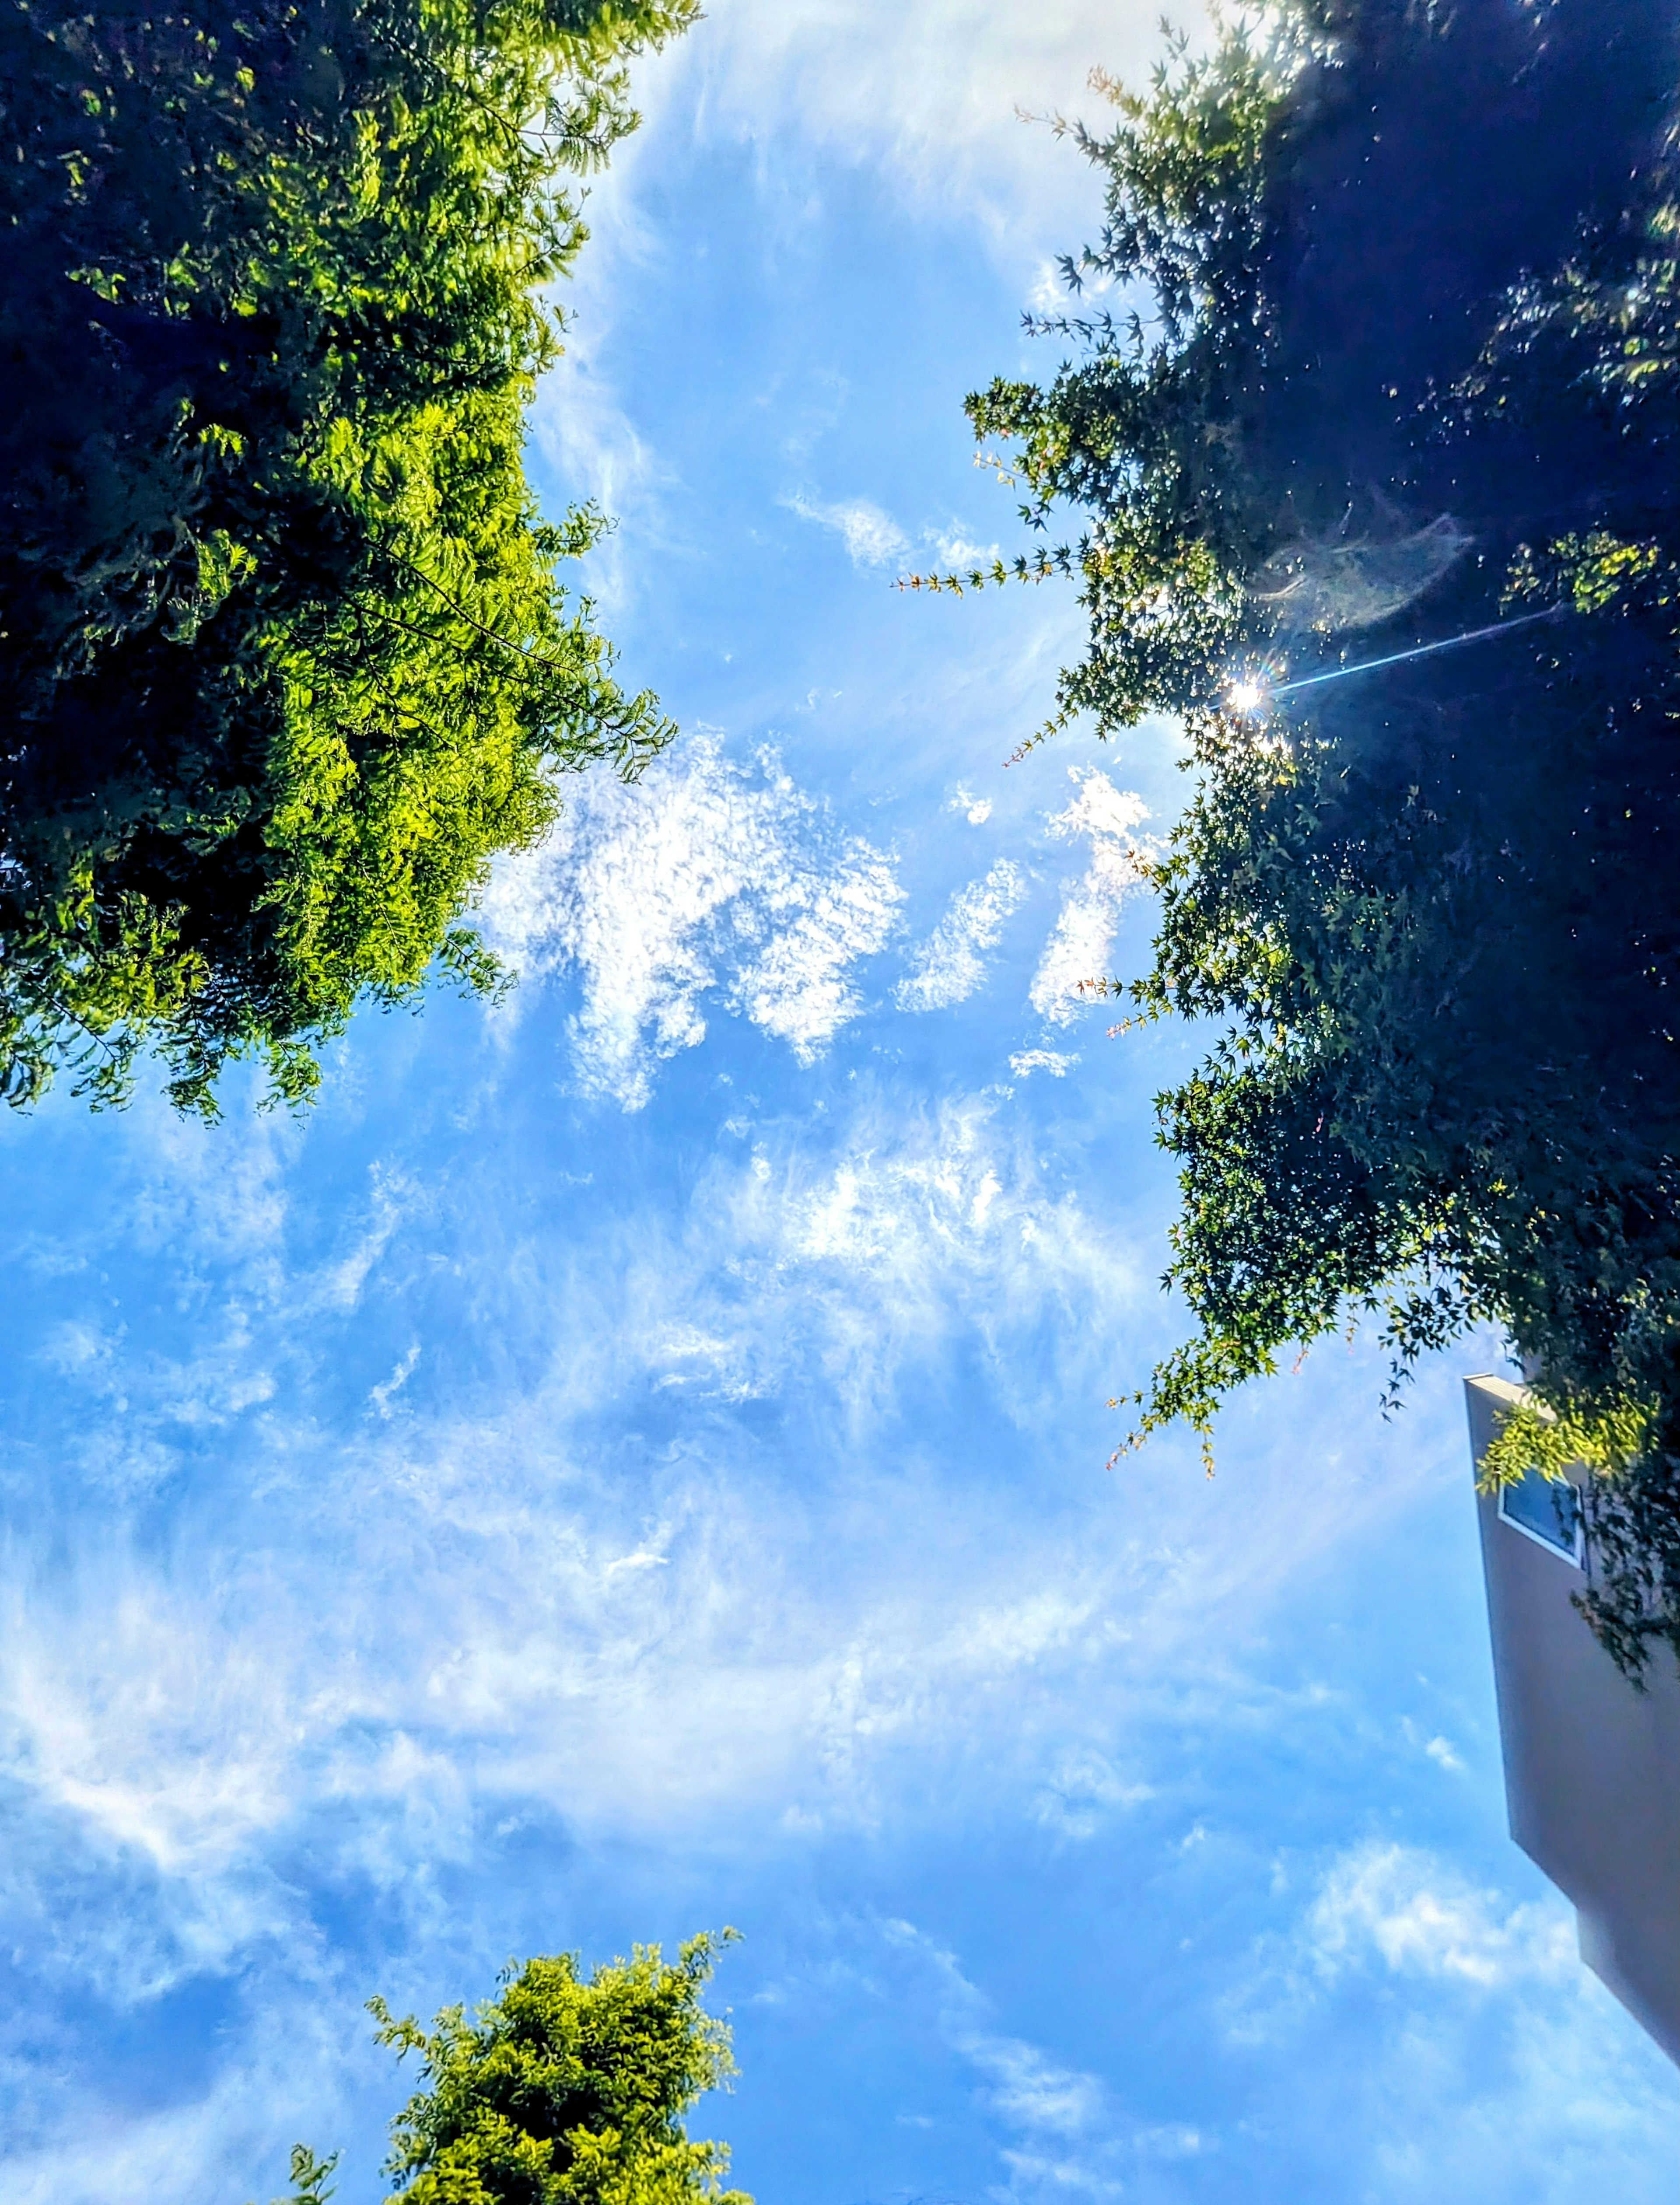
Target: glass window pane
<point>1546,1509</point>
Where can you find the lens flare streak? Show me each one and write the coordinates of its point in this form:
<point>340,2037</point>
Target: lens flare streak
<point>1248,693</point>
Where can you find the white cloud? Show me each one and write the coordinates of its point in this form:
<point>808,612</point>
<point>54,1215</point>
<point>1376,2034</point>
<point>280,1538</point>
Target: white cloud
<point>874,539</point>
<point>1495,2054</point>
<point>925,1203</point>
<point>1026,1061</point>
<point>513,1618</point>
<point>180,1708</point>
<point>862,1260</point>
<point>1048,294</point>
<point>1032,2090</point>
<point>391,1198</point>
<point>162,1736</point>
<point>478,1605</point>
<point>871,538</point>
<point>382,1395</point>
<point>1083,1790</point>
<point>304,2052</point>
<point>977,810</point>
<point>708,878</point>
<point>1398,1906</point>
<point>1060,2115</point>
<point>953,549</point>
<point>950,965</point>
<point>471,1606</point>
<point>1039,2174</point>
<point>1175,2141</point>
<point>936,96</point>
<point>1078,950</point>
<point>529,1599</point>
<point>867,83</point>
<point>596,451</point>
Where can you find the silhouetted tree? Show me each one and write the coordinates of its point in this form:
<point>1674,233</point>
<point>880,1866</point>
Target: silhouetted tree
<point>1403,362</point>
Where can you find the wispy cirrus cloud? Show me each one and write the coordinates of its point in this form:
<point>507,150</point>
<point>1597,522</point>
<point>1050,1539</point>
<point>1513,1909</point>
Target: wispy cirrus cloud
<point>1485,2014</point>
<point>872,536</point>
<point>711,882</point>
<point>944,97</point>
<point>1108,819</point>
<point>583,1595</point>
<point>1058,2120</point>
<point>951,964</point>
<point>528,1624</point>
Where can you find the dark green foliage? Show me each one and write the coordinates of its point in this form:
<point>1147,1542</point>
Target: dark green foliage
<point>284,657</point>
<point>1407,361</point>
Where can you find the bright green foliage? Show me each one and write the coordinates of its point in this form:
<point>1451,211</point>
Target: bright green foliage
<point>1436,910</point>
<point>311,2182</point>
<point>285,658</point>
<point>567,2091</point>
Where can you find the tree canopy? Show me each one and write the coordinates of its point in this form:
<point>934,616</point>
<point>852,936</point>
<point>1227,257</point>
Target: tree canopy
<point>563,2091</point>
<point>1393,355</point>
<point>285,658</point>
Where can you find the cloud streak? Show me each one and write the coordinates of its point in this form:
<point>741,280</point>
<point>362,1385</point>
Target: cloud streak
<point>872,539</point>
<point>1108,820</point>
<point>951,964</point>
<point>936,96</point>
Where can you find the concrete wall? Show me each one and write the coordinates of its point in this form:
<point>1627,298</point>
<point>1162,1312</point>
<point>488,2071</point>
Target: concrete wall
<point>1592,1766</point>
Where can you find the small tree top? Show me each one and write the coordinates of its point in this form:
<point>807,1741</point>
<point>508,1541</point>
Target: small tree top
<point>567,2088</point>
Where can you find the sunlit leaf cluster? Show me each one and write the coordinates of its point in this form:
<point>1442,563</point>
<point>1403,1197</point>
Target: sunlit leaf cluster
<point>285,656</point>
<point>568,2089</point>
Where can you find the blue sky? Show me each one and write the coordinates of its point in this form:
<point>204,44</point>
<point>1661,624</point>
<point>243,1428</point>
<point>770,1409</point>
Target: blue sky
<point>633,1459</point>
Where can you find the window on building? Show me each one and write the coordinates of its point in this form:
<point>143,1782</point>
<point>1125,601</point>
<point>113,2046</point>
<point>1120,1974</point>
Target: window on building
<point>1546,1509</point>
